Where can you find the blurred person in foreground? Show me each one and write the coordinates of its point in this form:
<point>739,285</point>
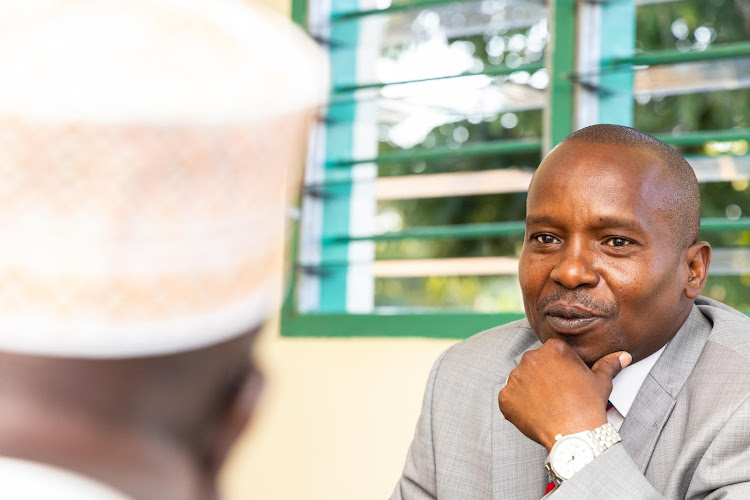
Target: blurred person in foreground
<point>622,382</point>
<point>148,150</point>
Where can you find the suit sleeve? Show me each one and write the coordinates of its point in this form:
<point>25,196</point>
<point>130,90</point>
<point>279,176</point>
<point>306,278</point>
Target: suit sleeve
<point>613,474</point>
<point>721,473</point>
<point>418,481</point>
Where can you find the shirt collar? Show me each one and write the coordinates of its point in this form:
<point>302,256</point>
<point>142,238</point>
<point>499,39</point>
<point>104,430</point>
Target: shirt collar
<point>628,382</point>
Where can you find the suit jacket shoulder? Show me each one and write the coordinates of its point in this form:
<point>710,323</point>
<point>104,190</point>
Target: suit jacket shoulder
<point>482,355</point>
<point>730,328</point>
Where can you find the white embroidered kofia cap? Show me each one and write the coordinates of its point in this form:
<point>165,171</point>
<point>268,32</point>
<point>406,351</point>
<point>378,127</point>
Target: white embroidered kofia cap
<point>147,149</point>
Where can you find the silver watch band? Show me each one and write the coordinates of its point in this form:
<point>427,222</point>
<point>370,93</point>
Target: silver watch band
<point>603,437</point>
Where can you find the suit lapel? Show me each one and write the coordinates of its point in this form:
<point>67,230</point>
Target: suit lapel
<point>656,398</point>
<point>645,420</point>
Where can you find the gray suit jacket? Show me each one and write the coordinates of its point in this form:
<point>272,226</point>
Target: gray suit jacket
<point>687,434</point>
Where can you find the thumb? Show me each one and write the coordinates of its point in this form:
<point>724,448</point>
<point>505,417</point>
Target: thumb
<point>611,364</point>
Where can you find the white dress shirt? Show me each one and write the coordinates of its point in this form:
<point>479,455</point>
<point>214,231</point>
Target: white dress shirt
<point>626,385</point>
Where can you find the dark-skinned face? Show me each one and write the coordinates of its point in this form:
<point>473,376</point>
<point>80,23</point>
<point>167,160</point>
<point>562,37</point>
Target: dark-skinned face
<point>601,266</point>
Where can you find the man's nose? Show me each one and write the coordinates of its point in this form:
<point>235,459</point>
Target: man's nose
<point>575,267</point>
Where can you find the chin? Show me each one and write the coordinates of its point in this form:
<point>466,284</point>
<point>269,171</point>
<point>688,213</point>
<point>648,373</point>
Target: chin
<point>587,357</point>
<point>588,354</point>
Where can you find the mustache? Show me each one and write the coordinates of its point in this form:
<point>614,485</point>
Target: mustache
<point>577,297</point>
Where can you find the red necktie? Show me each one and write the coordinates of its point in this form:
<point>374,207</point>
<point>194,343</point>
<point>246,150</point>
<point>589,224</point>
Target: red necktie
<point>550,483</point>
<point>550,486</point>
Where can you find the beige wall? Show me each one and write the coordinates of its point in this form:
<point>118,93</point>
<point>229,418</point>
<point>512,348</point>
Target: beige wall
<point>283,7</point>
<point>337,415</point>
<point>335,421</point>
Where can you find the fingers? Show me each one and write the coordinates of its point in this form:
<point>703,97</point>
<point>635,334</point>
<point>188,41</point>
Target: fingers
<point>611,364</point>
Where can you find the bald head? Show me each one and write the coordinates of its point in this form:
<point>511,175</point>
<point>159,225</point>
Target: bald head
<point>683,200</point>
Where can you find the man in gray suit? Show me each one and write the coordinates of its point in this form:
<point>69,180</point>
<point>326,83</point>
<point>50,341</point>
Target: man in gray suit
<point>611,273</point>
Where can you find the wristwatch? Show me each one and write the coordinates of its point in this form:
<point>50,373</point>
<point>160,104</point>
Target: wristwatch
<point>572,452</point>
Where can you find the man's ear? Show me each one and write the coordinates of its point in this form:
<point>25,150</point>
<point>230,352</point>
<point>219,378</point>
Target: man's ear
<point>698,258</point>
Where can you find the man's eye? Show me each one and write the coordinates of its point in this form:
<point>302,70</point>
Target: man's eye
<point>617,242</point>
<point>546,239</point>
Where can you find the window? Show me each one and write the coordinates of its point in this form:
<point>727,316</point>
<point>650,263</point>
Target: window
<point>411,220</point>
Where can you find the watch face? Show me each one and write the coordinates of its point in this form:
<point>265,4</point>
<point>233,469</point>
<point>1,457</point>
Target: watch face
<point>571,454</point>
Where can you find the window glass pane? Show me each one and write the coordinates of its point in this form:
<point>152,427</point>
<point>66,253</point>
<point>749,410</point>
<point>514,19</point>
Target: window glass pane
<point>453,18</point>
<point>731,290</point>
<point>438,130</point>
<point>725,199</point>
<point>691,112</point>
<point>399,49</point>
<point>691,24</point>
<point>475,293</point>
<point>729,275</point>
<point>458,209</point>
<point>404,214</point>
<point>507,180</point>
<point>688,78</point>
<point>509,246</point>
<point>449,113</point>
<point>458,163</point>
